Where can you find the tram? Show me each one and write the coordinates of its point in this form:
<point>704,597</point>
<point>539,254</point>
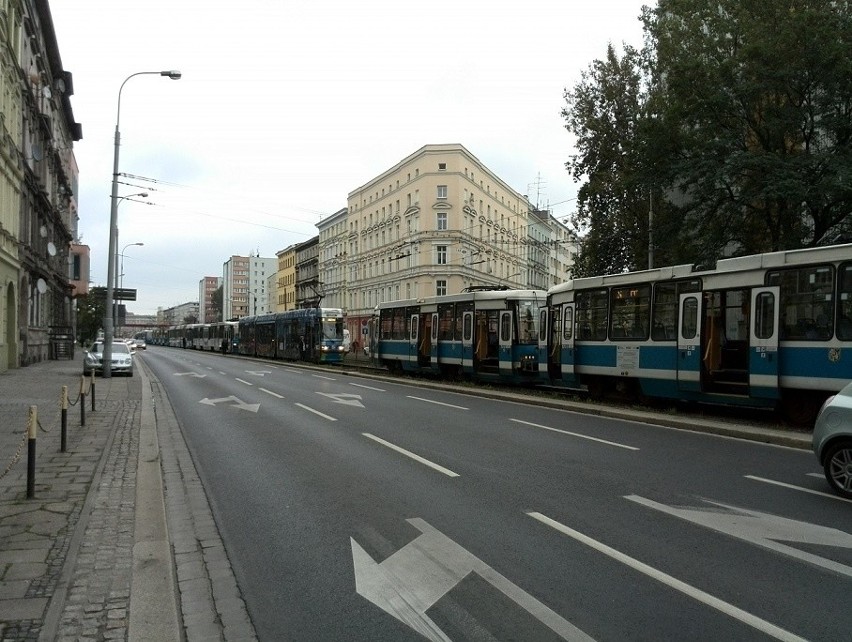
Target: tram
<point>487,334</point>
<point>765,330</point>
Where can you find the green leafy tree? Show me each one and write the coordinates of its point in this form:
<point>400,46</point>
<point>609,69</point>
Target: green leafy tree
<point>216,302</point>
<point>90,316</point>
<point>760,94</point>
<point>732,126</point>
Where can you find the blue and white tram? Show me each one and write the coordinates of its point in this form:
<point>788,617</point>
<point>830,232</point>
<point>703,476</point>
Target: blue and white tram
<point>484,334</point>
<point>762,330</point>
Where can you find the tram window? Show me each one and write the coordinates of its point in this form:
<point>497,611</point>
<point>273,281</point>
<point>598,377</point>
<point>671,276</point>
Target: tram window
<point>664,310</point>
<point>445,322</point>
<point>591,315</point>
<point>568,324</point>
<point>527,320</point>
<point>468,327</point>
<point>542,324</point>
<point>764,317</point>
<point>806,303</point>
<point>689,321</point>
<point>629,312</point>
<point>844,304</point>
<point>505,327</point>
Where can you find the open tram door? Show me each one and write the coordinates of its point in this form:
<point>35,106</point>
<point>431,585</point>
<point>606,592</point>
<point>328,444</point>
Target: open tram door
<point>505,356</point>
<point>467,341</point>
<point>763,337</point>
<point>413,335</point>
<point>689,342</point>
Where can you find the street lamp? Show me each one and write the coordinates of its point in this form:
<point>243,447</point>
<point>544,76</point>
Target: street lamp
<point>114,275</point>
<point>121,275</point>
<point>113,222</point>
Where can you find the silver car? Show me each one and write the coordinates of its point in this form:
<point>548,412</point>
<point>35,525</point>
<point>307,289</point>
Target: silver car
<point>832,441</point>
<point>122,359</point>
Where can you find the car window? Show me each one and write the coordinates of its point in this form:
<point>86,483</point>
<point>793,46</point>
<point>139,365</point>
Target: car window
<point>121,347</point>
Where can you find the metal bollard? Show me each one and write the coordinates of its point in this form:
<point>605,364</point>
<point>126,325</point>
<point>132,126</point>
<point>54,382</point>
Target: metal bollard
<point>82,401</point>
<point>92,386</point>
<point>63,441</point>
<point>32,424</point>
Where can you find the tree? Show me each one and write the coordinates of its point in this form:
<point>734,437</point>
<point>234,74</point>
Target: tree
<point>90,316</point>
<point>190,319</point>
<point>603,111</point>
<point>216,303</point>
<point>761,95</point>
<point>733,125</point>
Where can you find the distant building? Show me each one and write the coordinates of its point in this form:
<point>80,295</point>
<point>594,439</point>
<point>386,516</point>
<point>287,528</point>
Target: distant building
<point>244,285</point>
<point>308,293</point>
<point>435,223</point>
<point>285,282</point>
<point>177,315</point>
<point>208,311</point>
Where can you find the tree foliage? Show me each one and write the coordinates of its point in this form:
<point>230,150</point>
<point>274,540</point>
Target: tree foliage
<point>90,316</point>
<point>733,125</point>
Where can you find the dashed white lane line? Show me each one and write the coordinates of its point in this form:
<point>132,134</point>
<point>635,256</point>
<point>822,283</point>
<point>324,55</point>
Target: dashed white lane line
<point>799,488</point>
<point>269,392</point>
<point>316,412</point>
<point>437,403</point>
<point>574,434</point>
<point>248,383</point>
<point>408,453</point>
<point>697,594</point>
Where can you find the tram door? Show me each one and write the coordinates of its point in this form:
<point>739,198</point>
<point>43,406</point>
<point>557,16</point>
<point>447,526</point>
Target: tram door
<point>505,356</point>
<point>763,353</point>
<point>689,342</point>
<point>567,352</point>
<point>545,367</point>
<point>467,340</point>
<point>413,335</point>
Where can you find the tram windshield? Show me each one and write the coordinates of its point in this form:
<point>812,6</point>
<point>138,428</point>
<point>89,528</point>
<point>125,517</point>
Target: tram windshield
<point>528,321</point>
<point>332,329</point>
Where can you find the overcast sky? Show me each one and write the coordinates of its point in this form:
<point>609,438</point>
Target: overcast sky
<point>285,107</point>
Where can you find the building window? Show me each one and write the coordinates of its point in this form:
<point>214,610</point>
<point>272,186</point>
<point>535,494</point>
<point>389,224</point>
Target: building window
<point>442,221</point>
<point>442,191</point>
<point>440,287</point>
<point>442,167</point>
<point>442,254</point>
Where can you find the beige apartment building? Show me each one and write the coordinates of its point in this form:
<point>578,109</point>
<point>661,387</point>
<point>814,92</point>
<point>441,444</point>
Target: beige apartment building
<point>435,223</point>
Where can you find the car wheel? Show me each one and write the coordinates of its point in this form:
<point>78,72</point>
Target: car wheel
<point>838,467</point>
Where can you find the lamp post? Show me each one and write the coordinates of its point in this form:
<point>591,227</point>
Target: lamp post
<point>121,274</point>
<point>113,276</point>
<point>113,222</point>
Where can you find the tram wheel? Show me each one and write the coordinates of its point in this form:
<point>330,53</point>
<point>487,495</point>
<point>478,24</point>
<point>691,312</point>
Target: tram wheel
<point>801,408</point>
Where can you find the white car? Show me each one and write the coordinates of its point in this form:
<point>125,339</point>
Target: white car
<point>832,441</point>
<point>121,363</point>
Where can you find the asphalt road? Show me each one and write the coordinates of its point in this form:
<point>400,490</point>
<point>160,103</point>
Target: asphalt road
<point>360,509</point>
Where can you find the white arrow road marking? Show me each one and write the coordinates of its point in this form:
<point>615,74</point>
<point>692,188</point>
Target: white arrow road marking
<point>346,398</point>
<point>574,434</point>
<point>412,580</point>
<point>697,594</point>
<point>438,403</point>
<point>408,453</point>
<point>259,373</point>
<point>237,403</point>
<point>799,488</point>
<point>190,374</point>
<point>762,529</point>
